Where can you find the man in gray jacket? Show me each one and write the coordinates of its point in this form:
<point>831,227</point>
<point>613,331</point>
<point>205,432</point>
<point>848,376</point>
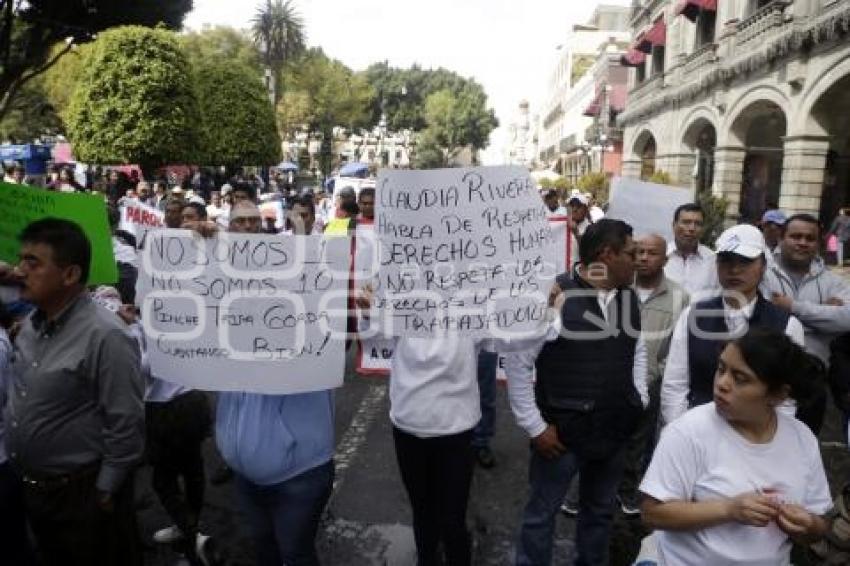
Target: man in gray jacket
<point>661,302</point>
<point>798,282</point>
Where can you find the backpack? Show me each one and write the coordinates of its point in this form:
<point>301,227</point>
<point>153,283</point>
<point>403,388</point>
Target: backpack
<point>835,546</point>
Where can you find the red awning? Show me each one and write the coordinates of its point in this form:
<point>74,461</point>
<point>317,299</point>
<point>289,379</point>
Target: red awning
<point>617,97</point>
<point>691,8</point>
<point>593,109</point>
<point>642,43</point>
<point>633,58</point>
<point>658,34</point>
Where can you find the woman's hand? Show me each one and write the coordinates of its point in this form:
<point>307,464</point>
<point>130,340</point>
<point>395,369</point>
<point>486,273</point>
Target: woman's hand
<point>799,524</point>
<point>752,509</point>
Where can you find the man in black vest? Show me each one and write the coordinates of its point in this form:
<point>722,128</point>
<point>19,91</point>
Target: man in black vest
<point>705,327</point>
<point>590,391</point>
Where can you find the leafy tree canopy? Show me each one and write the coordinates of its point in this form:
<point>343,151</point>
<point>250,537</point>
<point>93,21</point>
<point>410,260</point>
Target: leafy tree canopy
<point>222,43</point>
<point>455,120</point>
<point>135,102</point>
<point>29,30</point>
<point>401,93</point>
<point>322,93</point>
<point>238,122</point>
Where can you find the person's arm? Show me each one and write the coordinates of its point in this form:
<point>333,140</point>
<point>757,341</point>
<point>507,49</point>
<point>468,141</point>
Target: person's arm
<point>803,527</point>
<point>829,318</point>
<point>519,368</point>
<point>668,487</point>
<point>676,381</point>
<point>747,509</point>
<point>120,395</point>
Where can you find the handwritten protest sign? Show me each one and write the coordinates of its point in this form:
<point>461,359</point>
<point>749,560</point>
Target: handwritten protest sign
<point>374,356</point>
<point>247,312</point>
<point>138,219</point>
<point>461,250</point>
<point>648,207</point>
<point>22,204</point>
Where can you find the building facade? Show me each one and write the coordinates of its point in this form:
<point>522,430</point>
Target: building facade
<point>748,99</point>
<point>521,146</point>
<point>566,131</point>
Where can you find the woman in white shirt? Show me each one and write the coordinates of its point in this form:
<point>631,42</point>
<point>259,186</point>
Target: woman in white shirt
<point>733,482</point>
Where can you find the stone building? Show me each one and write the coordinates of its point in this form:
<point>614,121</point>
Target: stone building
<point>567,133</point>
<point>749,99</point>
<point>521,147</point>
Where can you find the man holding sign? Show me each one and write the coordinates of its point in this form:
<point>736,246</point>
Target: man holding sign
<point>461,258</point>
<point>281,450</point>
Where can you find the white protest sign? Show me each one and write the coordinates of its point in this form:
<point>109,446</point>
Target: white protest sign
<point>374,356</point>
<point>462,250</point>
<point>375,352</point>
<point>138,219</point>
<point>647,207</point>
<point>245,312</point>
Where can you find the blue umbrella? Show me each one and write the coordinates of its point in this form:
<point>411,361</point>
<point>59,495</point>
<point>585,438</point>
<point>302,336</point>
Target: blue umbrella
<point>287,166</point>
<point>356,169</point>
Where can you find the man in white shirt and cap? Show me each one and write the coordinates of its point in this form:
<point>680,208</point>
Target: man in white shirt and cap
<point>701,332</point>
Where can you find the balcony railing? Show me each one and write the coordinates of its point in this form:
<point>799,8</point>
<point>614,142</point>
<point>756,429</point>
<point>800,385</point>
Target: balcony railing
<point>700,60</point>
<point>645,89</point>
<point>763,23</point>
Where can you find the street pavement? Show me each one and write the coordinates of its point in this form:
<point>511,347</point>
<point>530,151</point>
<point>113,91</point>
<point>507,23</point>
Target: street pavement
<point>368,519</point>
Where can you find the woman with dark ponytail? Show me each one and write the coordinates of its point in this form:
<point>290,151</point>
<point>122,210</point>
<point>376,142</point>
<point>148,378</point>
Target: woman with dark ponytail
<point>735,481</point>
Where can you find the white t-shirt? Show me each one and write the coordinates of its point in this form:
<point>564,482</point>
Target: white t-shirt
<point>434,385</point>
<point>700,457</point>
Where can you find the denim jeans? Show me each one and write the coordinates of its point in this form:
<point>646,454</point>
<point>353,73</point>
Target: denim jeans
<point>486,427</point>
<point>284,517</point>
<point>549,480</point>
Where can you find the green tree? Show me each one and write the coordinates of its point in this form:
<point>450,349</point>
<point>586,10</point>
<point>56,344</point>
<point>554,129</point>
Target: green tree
<point>660,177</point>
<point>30,29</point>
<point>59,82</point>
<point>455,121</point>
<point>237,119</point>
<point>323,93</point>
<point>279,34</point>
<point>596,183</point>
<point>714,209</point>
<point>135,102</point>
<point>30,116</point>
<point>222,43</point>
<point>562,184</point>
<point>401,93</point>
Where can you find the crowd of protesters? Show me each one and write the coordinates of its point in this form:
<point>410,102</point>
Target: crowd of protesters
<point>696,403</point>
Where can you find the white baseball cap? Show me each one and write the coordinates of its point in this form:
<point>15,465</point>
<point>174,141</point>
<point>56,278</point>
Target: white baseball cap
<point>744,239</point>
<point>579,197</point>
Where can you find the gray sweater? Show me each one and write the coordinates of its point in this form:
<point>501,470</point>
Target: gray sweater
<point>822,322</point>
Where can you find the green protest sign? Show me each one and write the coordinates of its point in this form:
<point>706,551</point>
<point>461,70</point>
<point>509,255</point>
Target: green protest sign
<point>21,204</point>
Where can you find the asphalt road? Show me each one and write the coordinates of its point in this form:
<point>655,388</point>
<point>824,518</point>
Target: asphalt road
<point>368,520</point>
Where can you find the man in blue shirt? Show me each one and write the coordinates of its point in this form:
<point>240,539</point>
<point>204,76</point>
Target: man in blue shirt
<point>281,450</point>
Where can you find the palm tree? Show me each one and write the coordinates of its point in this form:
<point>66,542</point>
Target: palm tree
<point>279,34</point>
